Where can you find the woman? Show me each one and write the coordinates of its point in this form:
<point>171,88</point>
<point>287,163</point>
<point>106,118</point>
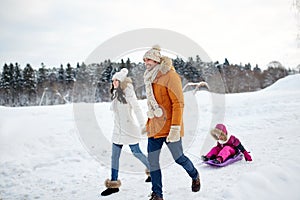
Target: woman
<point>125,131</point>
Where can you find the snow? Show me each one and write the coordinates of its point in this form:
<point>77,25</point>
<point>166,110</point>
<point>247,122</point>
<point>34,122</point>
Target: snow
<point>43,154</point>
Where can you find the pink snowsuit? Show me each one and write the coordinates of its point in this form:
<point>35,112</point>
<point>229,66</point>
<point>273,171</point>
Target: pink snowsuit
<point>230,148</point>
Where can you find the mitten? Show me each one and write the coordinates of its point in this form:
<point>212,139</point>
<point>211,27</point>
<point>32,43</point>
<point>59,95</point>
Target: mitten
<point>174,134</point>
<point>247,156</point>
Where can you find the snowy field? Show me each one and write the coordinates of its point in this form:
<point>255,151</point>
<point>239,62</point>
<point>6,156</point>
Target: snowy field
<point>42,155</point>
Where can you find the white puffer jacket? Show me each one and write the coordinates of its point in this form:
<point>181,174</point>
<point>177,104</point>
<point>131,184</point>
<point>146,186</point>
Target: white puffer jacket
<point>126,131</point>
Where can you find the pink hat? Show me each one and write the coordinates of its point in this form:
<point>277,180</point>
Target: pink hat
<point>222,127</point>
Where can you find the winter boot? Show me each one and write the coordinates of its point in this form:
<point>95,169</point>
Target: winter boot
<point>112,187</point>
<point>218,160</point>
<point>204,158</point>
<point>196,184</point>
<point>148,180</point>
<point>155,197</point>
<point>148,174</point>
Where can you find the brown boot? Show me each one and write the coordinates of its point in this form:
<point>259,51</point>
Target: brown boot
<point>155,197</point>
<point>196,184</point>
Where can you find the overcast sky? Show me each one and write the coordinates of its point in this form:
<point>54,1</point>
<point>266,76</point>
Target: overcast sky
<point>60,31</point>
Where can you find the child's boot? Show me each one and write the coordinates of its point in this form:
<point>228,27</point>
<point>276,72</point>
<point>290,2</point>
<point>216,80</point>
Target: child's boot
<point>218,160</point>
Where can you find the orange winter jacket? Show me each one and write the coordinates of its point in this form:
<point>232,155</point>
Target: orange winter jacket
<point>167,89</point>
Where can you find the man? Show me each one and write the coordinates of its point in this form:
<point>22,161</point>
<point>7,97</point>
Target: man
<point>165,124</point>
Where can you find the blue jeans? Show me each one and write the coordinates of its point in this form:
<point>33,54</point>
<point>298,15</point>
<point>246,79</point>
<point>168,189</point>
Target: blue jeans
<point>154,148</point>
<point>115,157</point>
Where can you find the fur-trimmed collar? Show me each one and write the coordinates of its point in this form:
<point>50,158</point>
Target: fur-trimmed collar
<point>166,64</point>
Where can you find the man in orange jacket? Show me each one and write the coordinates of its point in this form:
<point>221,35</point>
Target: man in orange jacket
<point>165,124</point>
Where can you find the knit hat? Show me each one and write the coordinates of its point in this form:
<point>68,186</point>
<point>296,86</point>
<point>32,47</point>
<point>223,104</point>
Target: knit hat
<point>121,75</point>
<point>153,54</point>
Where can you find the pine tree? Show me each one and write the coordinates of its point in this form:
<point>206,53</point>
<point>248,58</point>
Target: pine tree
<point>42,80</point>
<point>61,74</point>
<point>179,64</point>
<point>108,72</point>
<point>6,78</point>
<point>226,63</point>
<point>129,67</point>
<point>42,76</point>
<point>29,85</point>
<point>70,76</point>
<point>70,80</point>
<point>17,84</point>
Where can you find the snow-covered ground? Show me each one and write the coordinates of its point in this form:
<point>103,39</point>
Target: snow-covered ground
<point>42,154</point>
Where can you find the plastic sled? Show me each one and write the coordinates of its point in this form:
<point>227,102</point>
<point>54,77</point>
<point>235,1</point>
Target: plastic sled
<point>235,158</point>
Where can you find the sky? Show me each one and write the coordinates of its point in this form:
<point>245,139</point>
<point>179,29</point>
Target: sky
<point>59,32</point>
<point>51,157</point>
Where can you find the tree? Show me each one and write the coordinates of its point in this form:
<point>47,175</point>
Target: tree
<point>129,67</point>
<point>179,64</point>
<point>70,76</point>
<point>226,62</point>
<point>61,74</point>
<point>29,85</point>
<point>17,84</point>
<point>6,79</point>
<point>42,75</point>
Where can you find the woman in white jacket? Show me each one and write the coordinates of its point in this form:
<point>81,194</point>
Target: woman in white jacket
<point>125,131</point>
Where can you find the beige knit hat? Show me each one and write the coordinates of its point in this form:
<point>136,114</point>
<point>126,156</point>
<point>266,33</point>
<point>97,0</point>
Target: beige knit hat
<point>153,54</point>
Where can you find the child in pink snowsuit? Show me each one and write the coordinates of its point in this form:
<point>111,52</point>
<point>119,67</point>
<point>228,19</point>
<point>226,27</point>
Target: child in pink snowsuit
<point>227,146</point>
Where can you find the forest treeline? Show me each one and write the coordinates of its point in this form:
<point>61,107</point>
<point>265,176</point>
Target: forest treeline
<point>91,83</point>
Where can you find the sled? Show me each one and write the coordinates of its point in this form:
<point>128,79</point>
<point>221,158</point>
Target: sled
<point>235,158</point>
<point>196,86</point>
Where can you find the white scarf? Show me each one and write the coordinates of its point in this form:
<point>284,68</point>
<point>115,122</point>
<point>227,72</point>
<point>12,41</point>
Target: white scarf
<point>153,108</point>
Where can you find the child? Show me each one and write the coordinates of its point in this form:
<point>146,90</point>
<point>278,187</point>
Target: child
<point>125,131</point>
<point>227,146</point>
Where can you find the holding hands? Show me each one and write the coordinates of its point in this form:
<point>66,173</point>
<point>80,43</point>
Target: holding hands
<point>144,130</point>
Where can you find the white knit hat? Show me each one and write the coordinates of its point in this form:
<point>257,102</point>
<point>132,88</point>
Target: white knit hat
<point>121,75</point>
<point>153,54</point>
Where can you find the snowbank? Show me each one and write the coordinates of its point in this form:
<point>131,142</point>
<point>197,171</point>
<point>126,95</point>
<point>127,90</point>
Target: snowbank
<point>42,155</point>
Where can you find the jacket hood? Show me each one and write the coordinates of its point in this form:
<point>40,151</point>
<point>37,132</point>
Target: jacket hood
<point>216,131</point>
<point>166,65</point>
<point>124,83</point>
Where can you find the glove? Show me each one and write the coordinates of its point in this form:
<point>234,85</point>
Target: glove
<point>144,130</point>
<point>174,134</point>
<point>247,156</point>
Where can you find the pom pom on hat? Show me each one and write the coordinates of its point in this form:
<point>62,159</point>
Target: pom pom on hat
<point>153,54</point>
<point>156,47</point>
<point>121,75</point>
